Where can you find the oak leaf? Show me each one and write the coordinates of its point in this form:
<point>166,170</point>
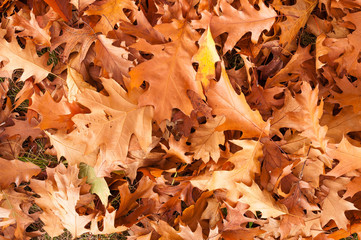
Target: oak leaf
<point>16,171</point>
<point>177,149</point>
<point>264,99</point>
<point>212,213</point>
<point>170,72</point>
<point>75,84</point>
<point>192,215</point>
<point>239,116</point>
<point>61,7</point>
<point>348,155</point>
<point>31,28</point>
<point>353,187</point>
<point>54,114</point>
<point>74,39</point>
<point>296,17</point>
<point>303,114</point>
<point>143,29</point>
<point>59,196</point>
<point>112,121</point>
<point>24,129</point>
<point>206,57</point>
<point>111,12</point>
<point>128,200</point>
<point>340,125</point>
<point>260,201</point>
<point>98,184</point>
<point>236,216</point>
<point>14,57</point>
<point>246,165</point>
<point>108,224</point>
<point>205,140</point>
<point>71,146</point>
<point>81,4</point>
<point>238,22</point>
<point>313,224</point>
<point>295,68</point>
<point>344,233</point>
<point>114,60</point>
<point>14,209</point>
<point>166,231</point>
<point>350,96</point>
<point>349,59</point>
<point>333,206</point>
<point>243,233</point>
<point>274,162</point>
<point>186,233</point>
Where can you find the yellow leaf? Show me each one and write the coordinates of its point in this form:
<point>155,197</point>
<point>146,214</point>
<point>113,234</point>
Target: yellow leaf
<point>260,201</point>
<point>206,57</point>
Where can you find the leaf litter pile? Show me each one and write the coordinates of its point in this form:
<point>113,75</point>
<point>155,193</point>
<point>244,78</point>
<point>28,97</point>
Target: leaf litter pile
<point>180,119</point>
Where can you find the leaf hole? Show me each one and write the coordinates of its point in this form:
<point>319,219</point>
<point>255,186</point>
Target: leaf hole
<point>276,138</point>
<point>195,66</point>
<point>218,67</point>
<point>279,95</point>
<point>202,120</point>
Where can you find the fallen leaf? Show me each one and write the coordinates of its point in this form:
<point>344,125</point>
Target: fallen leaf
<point>168,82</point>
<point>98,184</point>
<point>16,171</point>
<point>237,23</point>
<point>239,116</point>
<point>333,206</point>
<point>59,196</point>
<point>260,201</point>
<point>205,140</point>
<point>14,57</point>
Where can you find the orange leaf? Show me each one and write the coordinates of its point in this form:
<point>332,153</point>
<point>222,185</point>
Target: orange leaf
<point>61,7</point>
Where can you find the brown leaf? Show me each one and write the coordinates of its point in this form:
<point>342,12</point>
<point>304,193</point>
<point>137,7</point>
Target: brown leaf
<point>14,209</point>
<point>111,11</point>
<point>297,16</point>
<point>239,116</point>
<point>349,60</point>
<point>14,57</point>
<point>246,165</point>
<point>236,217</point>
<point>54,114</point>
<point>350,95</point>
<point>112,121</point>
<point>170,72</point>
<point>333,206</point>
<point>16,171</point>
<point>128,200</point>
<point>61,7</point>
<point>59,196</point>
<point>114,60</point>
<point>237,23</point>
<point>260,201</point>
<point>348,155</point>
<point>302,113</point>
<point>353,187</point>
<point>344,122</point>
<point>31,28</point>
<point>72,37</point>
<point>294,68</point>
<point>23,128</point>
<point>205,140</point>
